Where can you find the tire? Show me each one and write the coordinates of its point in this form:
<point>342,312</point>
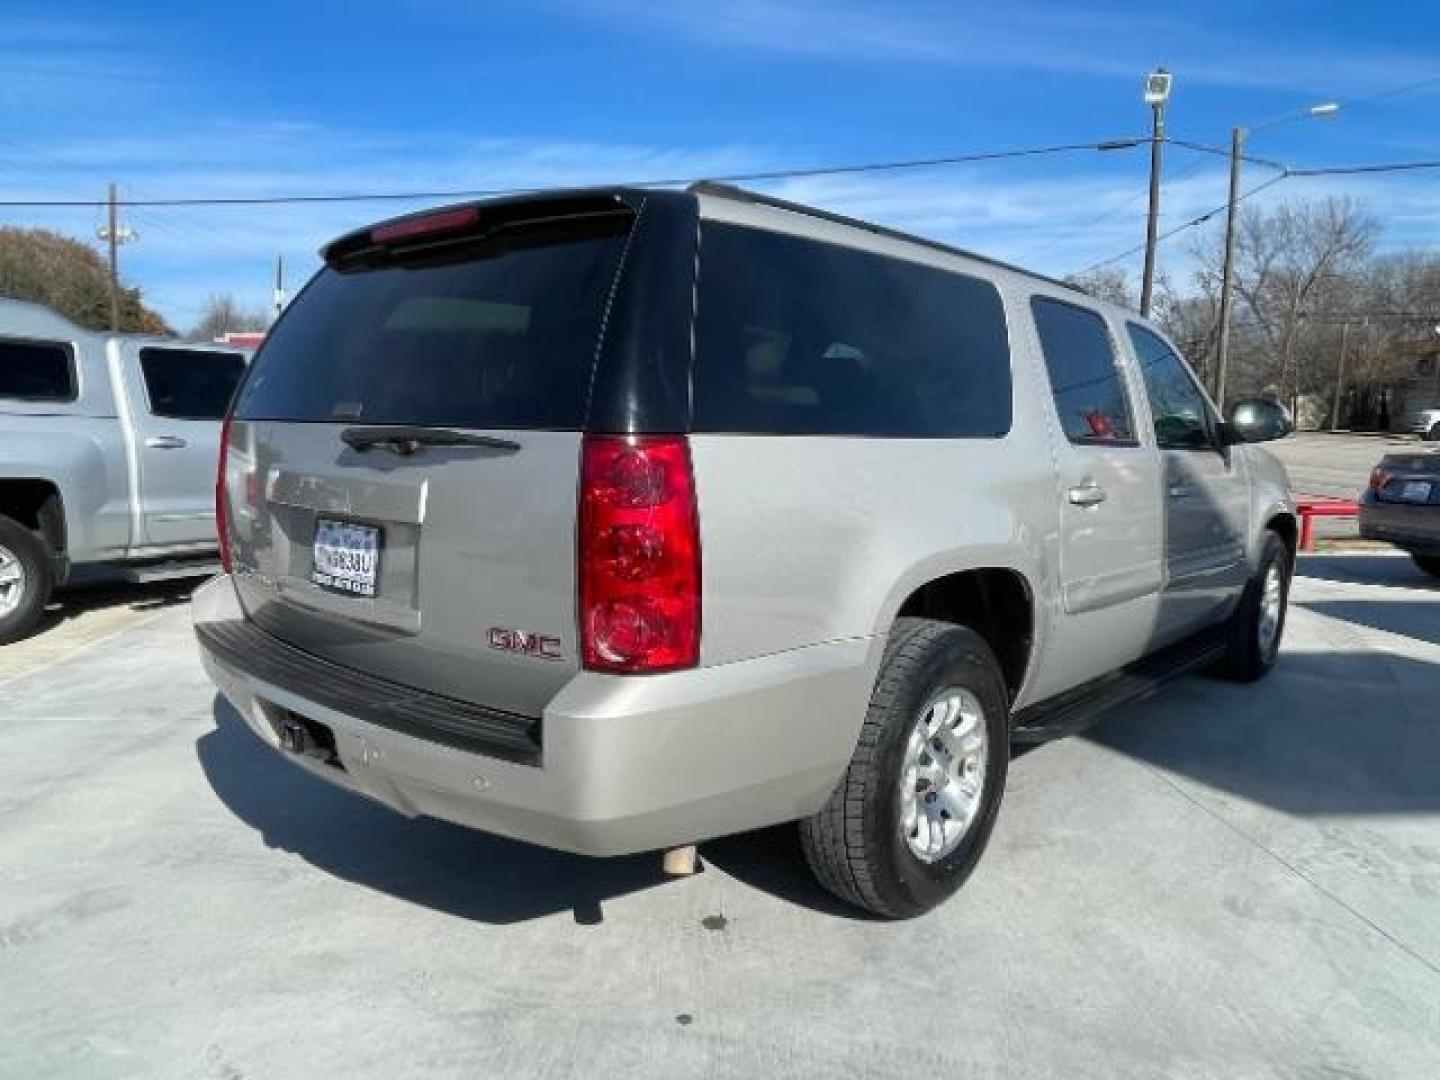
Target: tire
<point>1252,645</point>
<point>26,568</point>
<point>1433,435</point>
<point>855,844</point>
<point>1429,563</point>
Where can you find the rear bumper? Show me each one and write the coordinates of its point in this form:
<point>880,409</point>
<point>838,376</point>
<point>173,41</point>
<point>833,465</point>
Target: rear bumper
<point>628,763</point>
<point>1414,528</point>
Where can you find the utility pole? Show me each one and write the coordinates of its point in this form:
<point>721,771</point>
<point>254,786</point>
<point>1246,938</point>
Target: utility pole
<point>279,296</point>
<point>1157,94</point>
<point>1340,377</point>
<point>114,235</point>
<point>1227,275</point>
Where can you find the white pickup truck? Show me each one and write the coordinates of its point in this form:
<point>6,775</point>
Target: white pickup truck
<point>108,445</point>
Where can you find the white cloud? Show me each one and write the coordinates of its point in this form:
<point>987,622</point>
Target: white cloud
<point>1056,37</point>
<point>184,254</point>
<point>1054,215</point>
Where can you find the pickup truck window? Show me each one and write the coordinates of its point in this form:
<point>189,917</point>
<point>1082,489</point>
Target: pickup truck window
<point>36,371</point>
<point>798,337</point>
<point>1090,394</point>
<point>190,384</point>
<point>1182,418</point>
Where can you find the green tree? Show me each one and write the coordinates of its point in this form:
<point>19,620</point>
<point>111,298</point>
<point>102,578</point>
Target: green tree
<point>69,277</point>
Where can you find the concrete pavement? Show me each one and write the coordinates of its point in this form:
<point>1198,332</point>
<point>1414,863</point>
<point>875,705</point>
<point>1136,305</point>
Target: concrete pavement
<point>1326,466</point>
<point>1225,881</point>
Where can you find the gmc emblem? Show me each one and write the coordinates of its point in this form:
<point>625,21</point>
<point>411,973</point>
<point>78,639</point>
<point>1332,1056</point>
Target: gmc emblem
<point>524,643</point>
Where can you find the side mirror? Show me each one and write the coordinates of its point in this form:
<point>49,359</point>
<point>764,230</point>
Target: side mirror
<point>1257,419</point>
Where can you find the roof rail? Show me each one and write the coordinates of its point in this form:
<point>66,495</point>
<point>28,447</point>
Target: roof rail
<point>739,194</point>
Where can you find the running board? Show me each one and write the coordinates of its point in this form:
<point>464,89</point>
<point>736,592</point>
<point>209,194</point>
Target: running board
<point>1075,710</point>
<point>169,570</point>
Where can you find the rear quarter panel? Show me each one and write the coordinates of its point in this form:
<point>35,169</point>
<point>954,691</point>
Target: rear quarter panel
<point>810,539</point>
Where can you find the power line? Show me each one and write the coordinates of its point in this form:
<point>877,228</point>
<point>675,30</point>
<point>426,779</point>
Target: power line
<point>475,193</point>
<point>1396,91</point>
<point>1128,201</point>
<point>1192,223</point>
<point>1351,170</point>
<point>1224,151</point>
<point>1285,174</point>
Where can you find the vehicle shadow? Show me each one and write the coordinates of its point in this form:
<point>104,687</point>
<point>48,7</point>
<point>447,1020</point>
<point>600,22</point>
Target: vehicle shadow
<point>76,600</point>
<point>1418,619</point>
<point>453,869</point>
<point>1327,733</point>
<point>1385,569</point>
<point>459,871</point>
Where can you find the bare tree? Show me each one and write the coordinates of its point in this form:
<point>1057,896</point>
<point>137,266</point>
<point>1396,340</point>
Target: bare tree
<point>223,313</point>
<point>1107,283</point>
<point>1292,263</point>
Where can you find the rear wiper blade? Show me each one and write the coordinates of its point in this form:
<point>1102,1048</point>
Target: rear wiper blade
<point>407,440</point>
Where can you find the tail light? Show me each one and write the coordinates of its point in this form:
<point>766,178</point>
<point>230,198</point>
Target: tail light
<point>1379,477</point>
<point>639,554</point>
<point>222,499</point>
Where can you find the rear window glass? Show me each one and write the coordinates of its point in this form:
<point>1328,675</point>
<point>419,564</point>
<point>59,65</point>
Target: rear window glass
<point>190,384</point>
<point>36,371</point>
<point>1090,396</point>
<point>797,337</point>
<point>496,334</point>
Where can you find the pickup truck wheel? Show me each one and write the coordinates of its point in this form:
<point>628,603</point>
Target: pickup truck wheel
<point>26,577</point>
<point>1259,621</point>
<point>914,811</point>
<point>1429,563</point>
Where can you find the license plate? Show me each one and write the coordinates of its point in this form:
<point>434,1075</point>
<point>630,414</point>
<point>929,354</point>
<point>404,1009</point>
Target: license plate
<point>346,557</point>
<point>1415,491</point>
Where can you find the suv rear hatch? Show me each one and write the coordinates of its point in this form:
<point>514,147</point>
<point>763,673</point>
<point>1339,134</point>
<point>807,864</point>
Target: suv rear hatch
<point>403,459</point>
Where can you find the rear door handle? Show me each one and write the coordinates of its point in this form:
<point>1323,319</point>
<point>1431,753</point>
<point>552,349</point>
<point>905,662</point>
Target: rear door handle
<point>1086,494</point>
<point>166,442</point>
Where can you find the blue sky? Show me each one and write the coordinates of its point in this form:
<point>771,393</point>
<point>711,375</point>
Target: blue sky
<point>266,98</point>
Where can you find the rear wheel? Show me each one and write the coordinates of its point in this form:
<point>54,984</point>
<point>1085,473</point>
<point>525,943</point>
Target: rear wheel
<point>1429,563</point>
<point>911,818</point>
<point>26,577</point>
<point>1259,622</point>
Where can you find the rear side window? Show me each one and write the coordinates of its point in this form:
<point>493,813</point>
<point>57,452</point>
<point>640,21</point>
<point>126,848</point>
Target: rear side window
<point>190,384</point>
<point>1182,417</point>
<point>796,337</point>
<point>1085,379</point>
<point>37,371</point>
<point>501,333</point>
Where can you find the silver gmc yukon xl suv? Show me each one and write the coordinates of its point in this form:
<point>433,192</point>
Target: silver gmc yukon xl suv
<point>617,520</point>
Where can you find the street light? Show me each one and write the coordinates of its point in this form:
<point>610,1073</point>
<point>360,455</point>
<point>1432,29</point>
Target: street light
<point>1227,276</point>
<point>1157,95</point>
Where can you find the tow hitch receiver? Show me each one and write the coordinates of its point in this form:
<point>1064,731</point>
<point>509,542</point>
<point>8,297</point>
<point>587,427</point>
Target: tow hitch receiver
<point>308,738</point>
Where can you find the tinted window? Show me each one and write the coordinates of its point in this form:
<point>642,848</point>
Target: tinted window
<point>1182,417</point>
<point>799,337</point>
<point>1090,395</point>
<point>190,384</point>
<point>498,334</point>
<point>36,371</point>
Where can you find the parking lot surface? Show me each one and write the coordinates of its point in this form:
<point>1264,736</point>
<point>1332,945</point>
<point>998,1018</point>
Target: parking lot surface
<point>1336,466</point>
<point>1226,881</point>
